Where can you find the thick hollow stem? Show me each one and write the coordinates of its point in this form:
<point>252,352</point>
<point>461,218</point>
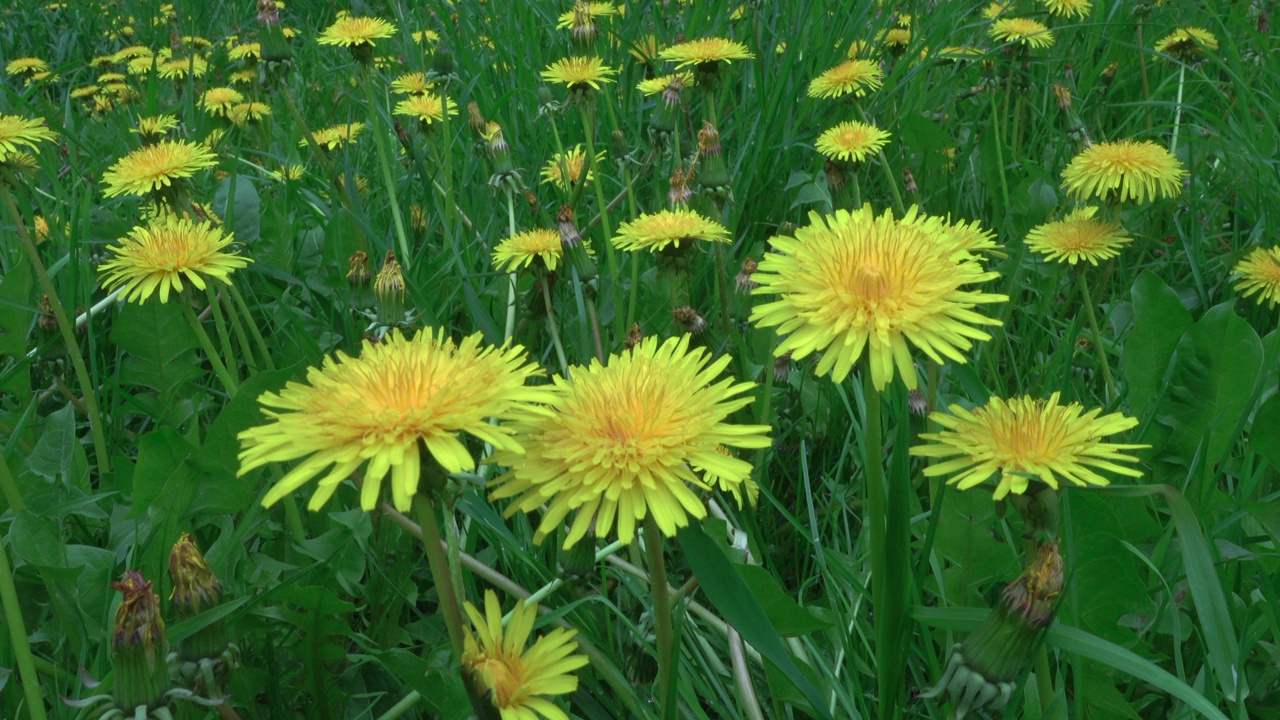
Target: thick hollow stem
<point>662,618</point>
<point>553,325</point>
<point>1086,300</point>
<point>611,257</point>
<point>875,524</point>
<point>439,565</point>
<point>228,382</point>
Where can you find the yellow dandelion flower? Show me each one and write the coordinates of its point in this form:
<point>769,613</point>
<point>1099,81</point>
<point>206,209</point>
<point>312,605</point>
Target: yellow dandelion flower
<point>1068,8</point>
<point>655,231</point>
<point>861,49</point>
<point>111,77</point>
<point>1023,439</point>
<point>245,51</point>
<point>428,108</point>
<point>1078,236</point>
<point>428,36</point>
<point>350,31</point>
<point>645,49</point>
<point>625,441</point>
<point>592,10</point>
<point>336,136</point>
<point>851,282</point>
<point>153,126</point>
<point>516,681</point>
<point>414,83</point>
<point>243,77</point>
<point>19,132</point>
<point>705,52</point>
<point>81,93</point>
<point>578,72</point>
<point>970,237</point>
<point>131,52</point>
<point>996,8</point>
<point>399,398</point>
<point>179,68</point>
<point>659,84</point>
<point>217,101</point>
<point>250,112</point>
<point>852,141</point>
<point>1259,273</point>
<point>894,37</point>
<point>521,250</point>
<point>851,76</point>
<point>159,255</point>
<point>155,167</point>
<point>1021,31</point>
<point>748,487</point>
<point>1187,44</point>
<point>572,163</point>
<point>26,66</point>
<point>1124,170</point>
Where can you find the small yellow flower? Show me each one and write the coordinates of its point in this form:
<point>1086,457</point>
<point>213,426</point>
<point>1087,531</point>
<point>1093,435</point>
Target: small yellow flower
<point>626,441</point>
<point>851,76</point>
<point>1078,236</point>
<point>428,108</point>
<point>1124,170</point>
<point>351,31</point>
<point>705,51</point>
<point>996,8</point>
<point>655,231</point>
<point>19,132</point>
<point>414,83</point>
<point>154,126</point>
<point>1022,440</point>
<point>155,167</point>
<point>336,136</point>
<point>218,101</point>
<point>1021,31</point>
<point>159,255</point>
<point>250,112</point>
<point>852,141</point>
<point>571,163</point>
<point>578,72</point>
<point>245,51</point>
<point>593,10</point>
<point>26,66</point>
<point>178,68</point>
<point>1187,44</point>
<point>400,398</point>
<point>521,250</point>
<point>514,680</point>
<point>1068,8</point>
<point>1259,273</point>
<point>659,84</point>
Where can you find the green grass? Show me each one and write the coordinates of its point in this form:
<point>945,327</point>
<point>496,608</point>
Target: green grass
<point>1171,608</point>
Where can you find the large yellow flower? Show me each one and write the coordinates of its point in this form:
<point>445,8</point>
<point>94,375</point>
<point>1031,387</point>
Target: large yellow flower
<point>427,107</point>
<point>851,141</point>
<point>155,167</point>
<point>19,132</point>
<point>655,231</point>
<point>626,441</point>
<point>851,282</point>
<point>851,76</point>
<point>523,249</point>
<point>1187,44</point>
<point>515,680</point>
<point>399,397</point>
<point>1023,31</point>
<point>1259,272</point>
<point>351,31</point>
<point>1124,170</point>
<point>1023,440</point>
<point>160,254</point>
<point>578,72</point>
<point>1078,236</point>
<point>706,51</point>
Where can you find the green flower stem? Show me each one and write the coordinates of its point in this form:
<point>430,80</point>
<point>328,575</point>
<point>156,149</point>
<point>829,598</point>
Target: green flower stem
<point>1086,300</point>
<point>876,524</point>
<point>662,617</point>
<point>510,328</point>
<point>742,678</point>
<point>595,327</point>
<point>18,635</point>
<point>553,325</point>
<point>722,288</point>
<point>405,705</point>
<point>1146,84</point>
<point>588,126</point>
<point>68,335</point>
<point>253,327</point>
<point>855,188</point>
<point>1177,116</point>
<point>242,338</point>
<point>634,290</point>
<point>439,565</point>
<point>446,173</point>
<point>224,336</point>
<point>384,161</point>
<point>228,382</point>
<point>9,486</point>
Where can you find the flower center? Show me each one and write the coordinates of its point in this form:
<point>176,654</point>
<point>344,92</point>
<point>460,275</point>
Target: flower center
<point>504,676</point>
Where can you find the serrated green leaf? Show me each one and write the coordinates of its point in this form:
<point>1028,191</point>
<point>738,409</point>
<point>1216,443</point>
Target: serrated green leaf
<point>1159,321</point>
<point>159,346</point>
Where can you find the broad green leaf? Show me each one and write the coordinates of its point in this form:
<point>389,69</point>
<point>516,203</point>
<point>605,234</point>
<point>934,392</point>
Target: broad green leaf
<point>245,222</point>
<point>36,540</point>
<point>1081,643</point>
<point>1104,573</point>
<point>1209,383</point>
<point>1159,321</point>
<point>966,541</point>
<point>789,618</point>
<point>1101,696</point>
<point>731,596</point>
<point>159,346</point>
<point>51,458</point>
<point>924,137</point>
<point>1264,437</point>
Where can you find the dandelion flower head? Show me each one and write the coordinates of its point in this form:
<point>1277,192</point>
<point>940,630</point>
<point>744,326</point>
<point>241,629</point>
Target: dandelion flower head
<point>160,254</point>
<point>1124,170</point>
<point>1078,236</point>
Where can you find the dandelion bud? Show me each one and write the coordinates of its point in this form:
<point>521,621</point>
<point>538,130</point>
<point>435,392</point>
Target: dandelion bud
<point>679,193</point>
<point>916,402</point>
<point>1108,74</point>
<point>582,30</point>
<point>714,174</point>
<point>579,260</point>
<point>689,319</point>
<point>418,218</point>
<point>782,367</point>
<point>273,45</point>
<point>909,181</point>
<point>742,281</point>
<point>358,269</point>
<point>835,175</point>
<point>1063,95</point>
<point>634,336</point>
<point>389,288</point>
<point>139,646</point>
<point>476,119</point>
<point>46,320</point>
<point>618,143</point>
<point>442,61</point>
<point>579,560</point>
<point>986,668</point>
<point>196,589</point>
<point>498,149</point>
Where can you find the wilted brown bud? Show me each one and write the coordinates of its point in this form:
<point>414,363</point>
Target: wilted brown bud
<point>1109,74</point>
<point>909,181</point>
<point>782,367</point>
<point>46,320</point>
<point>689,319</point>
<point>569,236</point>
<point>1062,94</point>
<point>634,336</point>
<point>358,269</point>
<point>268,13</point>
<point>916,403</point>
<point>389,288</point>
<point>475,119</point>
<point>679,193</point>
<point>709,140</point>
<point>139,646</point>
<point>743,280</point>
<point>835,176</point>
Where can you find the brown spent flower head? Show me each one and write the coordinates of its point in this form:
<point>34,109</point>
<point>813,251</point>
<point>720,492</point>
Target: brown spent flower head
<point>358,268</point>
<point>1036,591</point>
<point>743,280</point>
<point>139,646</point>
<point>634,336</point>
<point>689,319</point>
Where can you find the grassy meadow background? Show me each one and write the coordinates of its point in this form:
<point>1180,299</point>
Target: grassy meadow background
<point>1172,602</point>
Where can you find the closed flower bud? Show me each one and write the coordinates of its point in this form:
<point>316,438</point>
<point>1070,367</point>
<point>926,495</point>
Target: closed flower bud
<point>358,269</point>
<point>579,260</point>
<point>196,589</point>
<point>634,336</point>
<point>139,646</point>
<point>679,193</point>
<point>742,281</point>
<point>389,288</point>
<point>713,175</point>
